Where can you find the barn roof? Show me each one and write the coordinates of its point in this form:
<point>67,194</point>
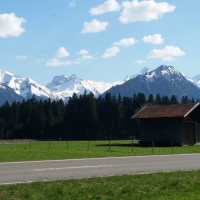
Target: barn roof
<point>161,111</point>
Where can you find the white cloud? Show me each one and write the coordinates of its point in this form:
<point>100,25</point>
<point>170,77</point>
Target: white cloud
<point>56,62</point>
<point>40,60</point>
<point>72,3</point>
<point>85,54</point>
<point>61,52</point>
<point>166,54</point>
<point>94,26</point>
<point>154,39</point>
<point>107,6</point>
<point>139,61</point>
<point>87,57</point>
<point>10,25</point>
<point>144,10</point>
<point>126,42</point>
<point>21,57</point>
<point>112,51</point>
<point>82,52</point>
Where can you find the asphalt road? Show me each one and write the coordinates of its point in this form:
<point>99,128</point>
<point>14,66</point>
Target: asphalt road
<point>22,172</point>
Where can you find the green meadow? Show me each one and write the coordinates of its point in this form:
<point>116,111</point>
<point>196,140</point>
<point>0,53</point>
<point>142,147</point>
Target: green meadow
<point>36,150</point>
<point>159,186</point>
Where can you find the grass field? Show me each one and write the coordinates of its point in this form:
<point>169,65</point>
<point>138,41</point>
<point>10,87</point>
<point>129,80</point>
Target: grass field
<point>25,151</point>
<point>160,186</point>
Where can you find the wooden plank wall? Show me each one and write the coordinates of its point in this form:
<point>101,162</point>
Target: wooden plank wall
<point>162,130</point>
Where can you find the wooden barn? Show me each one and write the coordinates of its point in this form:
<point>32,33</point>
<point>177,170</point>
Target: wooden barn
<point>179,124</point>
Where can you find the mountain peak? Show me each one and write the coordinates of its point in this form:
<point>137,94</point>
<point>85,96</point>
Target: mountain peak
<point>170,69</point>
<point>167,71</point>
<point>63,79</point>
<point>66,86</point>
<point>73,76</point>
<point>25,87</point>
<point>164,80</point>
<point>145,69</point>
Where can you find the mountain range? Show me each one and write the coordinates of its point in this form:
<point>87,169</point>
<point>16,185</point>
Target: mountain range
<point>65,86</point>
<point>26,87</point>
<point>165,80</point>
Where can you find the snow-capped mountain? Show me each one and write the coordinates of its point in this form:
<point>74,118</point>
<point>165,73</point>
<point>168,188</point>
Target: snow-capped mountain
<point>65,86</point>
<point>26,87</point>
<point>165,80</point>
<point>145,69</point>
<point>8,94</point>
<point>196,79</point>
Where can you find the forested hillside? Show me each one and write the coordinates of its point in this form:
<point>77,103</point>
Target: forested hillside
<point>84,117</point>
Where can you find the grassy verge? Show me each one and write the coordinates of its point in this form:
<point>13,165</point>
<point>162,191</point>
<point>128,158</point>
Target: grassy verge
<point>162,186</point>
<point>26,151</point>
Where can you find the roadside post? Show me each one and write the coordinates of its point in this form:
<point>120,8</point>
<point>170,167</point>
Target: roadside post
<point>109,143</point>
<point>13,145</point>
<point>49,144</point>
<point>88,145</point>
<point>67,145</point>
<point>152,146</point>
<point>133,138</point>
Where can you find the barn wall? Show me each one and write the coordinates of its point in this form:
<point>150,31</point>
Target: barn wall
<point>191,132</point>
<point>194,117</point>
<point>162,130</point>
<point>197,132</point>
<point>188,136</point>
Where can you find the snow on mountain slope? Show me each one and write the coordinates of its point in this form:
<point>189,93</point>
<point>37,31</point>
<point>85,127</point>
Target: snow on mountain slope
<point>165,80</point>
<point>145,69</point>
<point>65,86</point>
<point>196,79</point>
<point>26,87</point>
<point>8,94</point>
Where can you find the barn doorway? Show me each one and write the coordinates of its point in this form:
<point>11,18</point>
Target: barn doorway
<point>188,133</point>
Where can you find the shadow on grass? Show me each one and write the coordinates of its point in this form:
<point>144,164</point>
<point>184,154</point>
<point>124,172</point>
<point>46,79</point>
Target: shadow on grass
<point>119,145</point>
<point>140,144</point>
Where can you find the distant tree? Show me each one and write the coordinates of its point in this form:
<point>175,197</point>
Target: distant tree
<point>109,104</point>
<point>150,99</point>
<point>192,100</point>
<point>135,102</point>
<point>158,100</point>
<point>184,100</point>
<point>118,119</point>
<point>174,100</point>
<point>165,100</point>
<point>89,115</point>
<point>141,99</point>
<point>3,129</point>
<point>71,117</point>
<point>82,117</point>
<point>37,123</point>
<point>129,125</point>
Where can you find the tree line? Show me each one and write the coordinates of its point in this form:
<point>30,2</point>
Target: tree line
<point>83,117</point>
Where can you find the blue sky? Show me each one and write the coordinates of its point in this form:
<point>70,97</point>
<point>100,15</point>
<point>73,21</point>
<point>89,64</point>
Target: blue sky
<point>101,40</point>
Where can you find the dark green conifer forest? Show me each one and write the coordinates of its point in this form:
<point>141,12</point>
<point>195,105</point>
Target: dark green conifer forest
<point>83,117</point>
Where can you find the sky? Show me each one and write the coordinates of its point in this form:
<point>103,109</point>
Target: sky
<point>100,40</point>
